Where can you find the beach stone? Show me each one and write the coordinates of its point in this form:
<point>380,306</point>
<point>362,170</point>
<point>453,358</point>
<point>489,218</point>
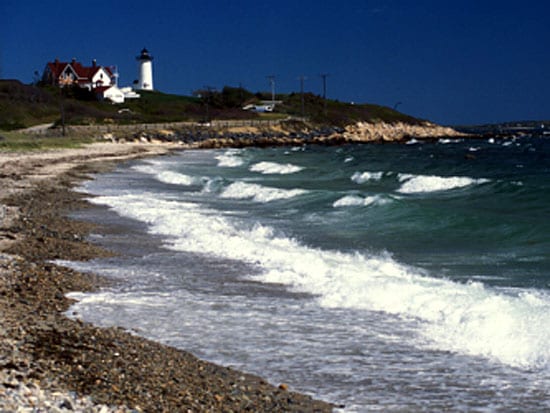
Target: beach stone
<point>51,363</point>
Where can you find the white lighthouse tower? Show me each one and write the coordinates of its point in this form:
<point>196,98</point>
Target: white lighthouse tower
<point>145,60</point>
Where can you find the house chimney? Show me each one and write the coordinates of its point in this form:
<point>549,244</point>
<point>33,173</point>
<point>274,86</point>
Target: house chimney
<point>73,60</point>
<point>57,60</point>
<point>94,63</point>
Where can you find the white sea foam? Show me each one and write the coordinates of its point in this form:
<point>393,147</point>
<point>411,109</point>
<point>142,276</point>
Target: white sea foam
<point>362,177</point>
<point>168,177</point>
<point>259,193</point>
<point>355,200</point>
<point>413,184</point>
<point>229,159</point>
<point>176,178</point>
<point>511,327</point>
<point>147,168</point>
<point>446,141</point>
<point>275,168</point>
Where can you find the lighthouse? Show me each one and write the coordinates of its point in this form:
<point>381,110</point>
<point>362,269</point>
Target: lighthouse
<point>145,60</point>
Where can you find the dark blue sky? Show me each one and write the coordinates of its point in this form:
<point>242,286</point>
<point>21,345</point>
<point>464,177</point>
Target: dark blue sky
<point>452,62</point>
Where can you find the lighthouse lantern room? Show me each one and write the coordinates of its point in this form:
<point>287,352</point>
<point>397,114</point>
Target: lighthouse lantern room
<point>145,60</point>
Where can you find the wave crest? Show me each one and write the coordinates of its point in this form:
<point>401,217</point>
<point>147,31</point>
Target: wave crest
<point>168,177</point>
<point>355,200</point>
<point>413,184</point>
<point>464,318</point>
<point>229,159</point>
<point>275,168</point>
<point>258,193</point>
<point>362,177</point>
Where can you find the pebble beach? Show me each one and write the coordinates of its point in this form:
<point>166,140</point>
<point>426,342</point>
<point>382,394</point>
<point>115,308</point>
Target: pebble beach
<point>49,362</point>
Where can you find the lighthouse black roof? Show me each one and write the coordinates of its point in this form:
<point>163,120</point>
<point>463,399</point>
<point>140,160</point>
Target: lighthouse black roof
<point>144,55</point>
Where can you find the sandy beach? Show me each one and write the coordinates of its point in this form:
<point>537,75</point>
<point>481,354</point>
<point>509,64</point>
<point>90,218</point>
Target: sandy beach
<point>49,361</point>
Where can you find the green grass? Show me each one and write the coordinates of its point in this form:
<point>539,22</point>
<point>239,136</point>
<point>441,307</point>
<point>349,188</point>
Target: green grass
<point>23,106</point>
<point>272,116</point>
<point>338,113</point>
<point>20,142</point>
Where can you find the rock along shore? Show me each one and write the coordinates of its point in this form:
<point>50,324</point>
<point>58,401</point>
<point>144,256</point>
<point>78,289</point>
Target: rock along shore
<point>291,132</point>
<point>49,362</point>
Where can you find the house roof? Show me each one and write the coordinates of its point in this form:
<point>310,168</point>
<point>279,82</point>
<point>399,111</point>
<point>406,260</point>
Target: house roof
<point>84,73</point>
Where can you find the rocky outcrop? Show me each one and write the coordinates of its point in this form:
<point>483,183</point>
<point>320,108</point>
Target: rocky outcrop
<point>278,135</point>
<point>392,132</point>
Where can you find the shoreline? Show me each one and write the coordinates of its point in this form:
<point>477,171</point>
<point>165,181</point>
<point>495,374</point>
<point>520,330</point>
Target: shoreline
<point>41,350</point>
<point>219,134</point>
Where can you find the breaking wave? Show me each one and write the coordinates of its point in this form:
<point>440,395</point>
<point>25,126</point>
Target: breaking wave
<point>258,193</point>
<point>362,177</point>
<point>465,318</point>
<point>168,177</point>
<point>413,184</point>
<point>275,168</point>
<point>355,200</point>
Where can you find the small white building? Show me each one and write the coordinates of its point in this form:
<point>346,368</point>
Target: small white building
<point>129,93</point>
<point>112,93</point>
<point>145,81</point>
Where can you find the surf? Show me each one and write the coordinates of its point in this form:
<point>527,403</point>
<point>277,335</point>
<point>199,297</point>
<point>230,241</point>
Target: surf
<point>464,318</point>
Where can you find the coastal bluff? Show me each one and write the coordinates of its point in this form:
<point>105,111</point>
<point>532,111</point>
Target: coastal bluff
<point>245,134</point>
<point>392,132</point>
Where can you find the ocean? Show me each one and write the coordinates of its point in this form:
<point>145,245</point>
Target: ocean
<point>379,277</point>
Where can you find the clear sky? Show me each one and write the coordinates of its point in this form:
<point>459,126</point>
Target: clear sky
<point>452,62</point>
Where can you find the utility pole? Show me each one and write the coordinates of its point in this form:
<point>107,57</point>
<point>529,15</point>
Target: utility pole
<point>62,109</point>
<point>241,94</point>
<point>324,77</point>
<point>302,78</point>
<point>271,79</point>
<point>209,90</point>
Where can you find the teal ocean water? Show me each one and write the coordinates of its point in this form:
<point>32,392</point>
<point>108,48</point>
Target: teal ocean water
<point>379,277</point>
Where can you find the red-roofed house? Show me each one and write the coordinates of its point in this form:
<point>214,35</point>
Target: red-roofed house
<point>64,73</point>
<point>98,79</point>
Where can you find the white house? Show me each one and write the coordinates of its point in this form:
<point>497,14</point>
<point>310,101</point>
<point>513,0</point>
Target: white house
<point>112,93</point>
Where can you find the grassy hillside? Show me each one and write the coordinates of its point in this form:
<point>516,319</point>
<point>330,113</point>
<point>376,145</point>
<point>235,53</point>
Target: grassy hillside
<point>338,113</point>
<point>23,106</point>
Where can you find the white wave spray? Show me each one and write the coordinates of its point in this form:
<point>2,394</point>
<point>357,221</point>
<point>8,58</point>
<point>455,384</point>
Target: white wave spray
<point>510,327</point>
<point>413,184</point>
<point>275,168</point>
<point>259,193</point>
<point>168,177</point>
<point>362,177</point>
